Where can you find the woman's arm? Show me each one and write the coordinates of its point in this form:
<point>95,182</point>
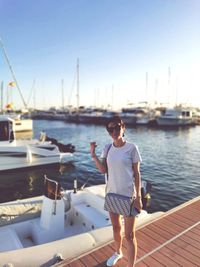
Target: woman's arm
<point>100,164</point>
<point>137,176</point>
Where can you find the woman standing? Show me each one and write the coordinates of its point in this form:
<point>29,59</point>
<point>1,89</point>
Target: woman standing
<point>121,160</point>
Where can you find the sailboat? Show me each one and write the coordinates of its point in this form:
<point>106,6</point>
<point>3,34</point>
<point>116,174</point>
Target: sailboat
<point>19,124</point>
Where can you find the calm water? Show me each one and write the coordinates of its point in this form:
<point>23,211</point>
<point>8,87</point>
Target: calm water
<point>171,160</point>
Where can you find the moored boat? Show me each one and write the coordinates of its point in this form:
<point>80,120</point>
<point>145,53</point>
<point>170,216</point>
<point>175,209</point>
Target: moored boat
<point>16,154</point>
<point>19,124</point>
<point>177,117</point>
<point>71,223</point>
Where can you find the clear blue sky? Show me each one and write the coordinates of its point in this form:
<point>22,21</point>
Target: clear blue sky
<point>117,43</point>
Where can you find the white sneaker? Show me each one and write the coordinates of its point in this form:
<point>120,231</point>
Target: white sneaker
<point>113,259</point>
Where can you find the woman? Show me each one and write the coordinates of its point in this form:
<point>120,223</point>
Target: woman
<point>122,159</point>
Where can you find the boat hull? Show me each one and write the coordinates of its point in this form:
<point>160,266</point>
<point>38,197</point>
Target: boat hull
<point>87,226</point>
<point>29,154</point>
<point>163,121</point>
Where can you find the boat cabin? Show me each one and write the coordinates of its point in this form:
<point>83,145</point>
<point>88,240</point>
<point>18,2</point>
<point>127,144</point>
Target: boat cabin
<point>6,129</point>
<point>183,113</point>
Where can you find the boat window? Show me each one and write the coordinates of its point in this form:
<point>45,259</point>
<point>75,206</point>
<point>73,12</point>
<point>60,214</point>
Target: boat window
<point>4,131</point>
<point>186,113</point>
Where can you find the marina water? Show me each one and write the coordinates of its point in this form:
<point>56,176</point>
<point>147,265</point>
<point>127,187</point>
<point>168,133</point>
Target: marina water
<point>171,159</point>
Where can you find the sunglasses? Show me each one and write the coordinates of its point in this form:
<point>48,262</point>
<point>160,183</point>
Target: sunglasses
<point>112,128</point>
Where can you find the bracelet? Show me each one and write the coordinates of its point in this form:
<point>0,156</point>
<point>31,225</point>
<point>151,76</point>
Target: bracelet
<point>94,156</point>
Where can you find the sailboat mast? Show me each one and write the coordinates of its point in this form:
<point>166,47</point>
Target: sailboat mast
<point>156,91</point>
<point>168,85</point>
<point>146,89</point>
<point>2,96</point>
<point>77,69</point>
<point>34,98</point>
<point>12,72</point>
<point>112,97</point>
<point>62,88</point>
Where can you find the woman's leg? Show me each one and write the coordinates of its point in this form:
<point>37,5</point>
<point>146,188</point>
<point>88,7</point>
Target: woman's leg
<point>129,230</point>
<point>117,231</point>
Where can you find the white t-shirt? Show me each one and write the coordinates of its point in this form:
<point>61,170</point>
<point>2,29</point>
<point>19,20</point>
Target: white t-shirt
<point>120,168</point>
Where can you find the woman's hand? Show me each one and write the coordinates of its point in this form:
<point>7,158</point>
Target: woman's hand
<point>138,203</point>
<point>99,164</point>
<point>92,148</point>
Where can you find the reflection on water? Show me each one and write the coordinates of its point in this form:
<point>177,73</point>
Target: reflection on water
<point>29,182</point>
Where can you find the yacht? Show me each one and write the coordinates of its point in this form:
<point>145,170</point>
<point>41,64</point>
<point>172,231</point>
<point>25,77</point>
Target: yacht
<point>19,123</point>
<point>16,154</point>
<point>177,116</point>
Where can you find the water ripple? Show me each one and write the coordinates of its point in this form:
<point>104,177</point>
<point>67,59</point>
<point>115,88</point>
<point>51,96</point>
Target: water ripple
<point>170,161</point>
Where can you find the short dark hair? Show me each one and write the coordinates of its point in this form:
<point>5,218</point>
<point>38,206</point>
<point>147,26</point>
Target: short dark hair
<point>115,119</point>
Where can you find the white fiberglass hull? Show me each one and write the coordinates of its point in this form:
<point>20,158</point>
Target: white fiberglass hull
<point>165,121</point>
<point>86,226</point>
<point>29,153</point>
<point>23,125</point>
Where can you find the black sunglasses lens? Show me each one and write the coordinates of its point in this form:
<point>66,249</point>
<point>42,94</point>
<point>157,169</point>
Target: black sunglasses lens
<point>116,128</point>
<point>110,129</point>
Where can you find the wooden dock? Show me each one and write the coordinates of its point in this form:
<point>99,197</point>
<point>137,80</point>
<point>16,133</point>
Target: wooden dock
<point>172,240</point>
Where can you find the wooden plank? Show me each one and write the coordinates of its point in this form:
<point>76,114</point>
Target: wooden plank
<point>190,240</point>
<point>146,242</point>
<point>166,222</point>
<point>196,230</point>
<point>184,253</point>
<point>162,259</point>
<point>169,227</point>
<point>162,232</point>
<point>181,218</point>
<point>187,247</point>
<point>191,214</point>
<point>100,256</point>
<point>150,261</point>
<point>140,251</point>
<point>88,260</point>
<point>141,264</point>
<point>74,264</point>
<point>176,257</point>
<point>146,246</point>
<point>155,235</point>
<point>179,221</point>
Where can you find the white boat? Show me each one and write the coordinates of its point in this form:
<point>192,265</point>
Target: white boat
<point>15,154</point>
<point>144,116</point>
<point>22,125</point>
<point>128,118</point>
<point>69,225</point>
<point>138,114</point>
<point>19,124</point>
<point>176,117</point>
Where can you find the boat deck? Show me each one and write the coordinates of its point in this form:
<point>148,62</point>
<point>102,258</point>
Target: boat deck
<point>172,240</point>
